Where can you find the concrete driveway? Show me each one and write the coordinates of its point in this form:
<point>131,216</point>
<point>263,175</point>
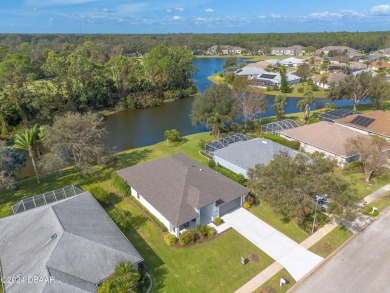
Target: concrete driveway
<point>297,260</point>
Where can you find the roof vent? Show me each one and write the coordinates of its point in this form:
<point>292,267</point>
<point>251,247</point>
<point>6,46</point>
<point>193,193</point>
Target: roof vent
<point>263,141</point>
<point>54,236</point>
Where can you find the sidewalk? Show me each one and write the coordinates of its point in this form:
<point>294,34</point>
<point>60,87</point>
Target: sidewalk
<point>274,268</point>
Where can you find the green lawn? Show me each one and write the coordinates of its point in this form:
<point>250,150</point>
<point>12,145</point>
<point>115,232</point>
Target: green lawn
<point>331,242</point>
<point>296,94</point>
<point>288,227</point>
<point>363,189</point>
<point>380,203</point>
<point>213,266</point>
<point>28,187</point>
<point>274,283</point>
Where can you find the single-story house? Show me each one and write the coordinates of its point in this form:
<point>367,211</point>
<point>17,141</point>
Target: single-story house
<point>181,192</point>
<point>331,78</point>
<point>350,51</point>
<point>379,64</point>
<point>260,64</point>
<point>325,137</point>
<point>339,59</point>
<point>356,66</point>
<point>249,71</point>
<point>241,156</point>
<point>71,245</point>
<point>272,78</point>
<point>292,62</point>
<point>371,123</point>
<point>372,72</point>
<point>293,50</point>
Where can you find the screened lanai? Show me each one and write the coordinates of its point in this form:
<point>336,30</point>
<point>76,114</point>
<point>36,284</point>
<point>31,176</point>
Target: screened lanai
<point>224,142</point>
<point>278,126</point>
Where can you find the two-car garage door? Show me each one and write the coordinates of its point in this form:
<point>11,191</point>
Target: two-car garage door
<point>229,206</point>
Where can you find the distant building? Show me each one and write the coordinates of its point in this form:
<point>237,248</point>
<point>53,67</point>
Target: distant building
<point>272,78</point>
<point>379,65</point>
<point>292,62</point>
<point>292,51</point>
<point>339,59</point>
<point>332,78</point>
<point>340,49</point>
<point>224,50</point>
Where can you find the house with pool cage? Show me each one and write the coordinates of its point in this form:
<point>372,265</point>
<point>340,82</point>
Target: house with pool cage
<point>60,241</point>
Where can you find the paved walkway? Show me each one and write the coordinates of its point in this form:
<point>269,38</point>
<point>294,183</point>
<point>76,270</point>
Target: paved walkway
<point>296,259</point>
<point>273,269</point>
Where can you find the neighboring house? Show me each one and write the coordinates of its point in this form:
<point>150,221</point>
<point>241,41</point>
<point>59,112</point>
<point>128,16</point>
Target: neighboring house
<point>224,50</point>
<point>292,62</point>
<point>381,53</point>
<point>379,65</point>
<point>325,137</point>
<point>260,64</point>
<point>181,192</point>
<point>72,244</point>
<point>339,59</point>
<point>272,78</point>
<point>241,156</point>
<point>292,51</point>
<point>372,72</point>
<point>350,51</point>
<point>372,123</point>
<point>337,67</point>
<point>356,66</point>
<point>249,71</point>
<point>331,78</point>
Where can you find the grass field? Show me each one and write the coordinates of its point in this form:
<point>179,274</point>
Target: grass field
<point>331,242</point>
<point>380,203</point>
<point>275,285</point>
<point>288,227</point>
<point>213,266</point>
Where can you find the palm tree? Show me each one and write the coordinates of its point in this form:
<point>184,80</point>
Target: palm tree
<point>27,140</point>
<point>123,280</point>
<point>216,122</point>
<point>305,103</point>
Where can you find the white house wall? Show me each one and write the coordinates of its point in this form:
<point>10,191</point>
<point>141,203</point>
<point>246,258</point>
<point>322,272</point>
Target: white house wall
<point>151,209</point>
<point>230,166</point>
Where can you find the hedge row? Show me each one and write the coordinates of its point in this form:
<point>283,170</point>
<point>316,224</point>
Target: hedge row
<point>120,184</point>
<point>239,178</point>
<point>288,143</point>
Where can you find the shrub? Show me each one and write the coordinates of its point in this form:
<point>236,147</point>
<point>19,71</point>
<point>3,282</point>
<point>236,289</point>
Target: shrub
<point>230,174</point>
<point>187,237</point>
<point>218,221</point>
<point>246,205</point>
<point>202,143</point>
<point>210,231</point>
<point>202,230</point>
<point>170,239</point>
<point>288,143</point>
<point>354,165</point>
<point>120,184</point>
<point>249,199</point>
<point>301,90</point>
<point>330,106</point>
<point>269,88</point>
<point>102,195</point>
<point>211,164</point>
<point>172,135</point>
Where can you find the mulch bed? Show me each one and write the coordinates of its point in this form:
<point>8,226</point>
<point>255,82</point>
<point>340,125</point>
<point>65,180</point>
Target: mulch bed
<point>253,257</point>
<point>219,223</point>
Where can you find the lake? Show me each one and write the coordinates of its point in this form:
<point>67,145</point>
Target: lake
<point>137,128</point>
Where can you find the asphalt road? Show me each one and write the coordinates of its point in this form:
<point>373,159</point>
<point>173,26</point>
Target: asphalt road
<point>362,265</point>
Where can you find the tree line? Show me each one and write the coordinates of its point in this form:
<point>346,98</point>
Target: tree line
<point>38,45</point>
<point>33,90</point>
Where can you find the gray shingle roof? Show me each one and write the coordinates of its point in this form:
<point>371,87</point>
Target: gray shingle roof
<point>177,184</point>
<point>86,250</point>
<point>248,154</point>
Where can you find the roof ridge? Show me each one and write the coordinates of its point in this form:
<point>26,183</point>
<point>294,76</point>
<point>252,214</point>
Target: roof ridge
<point>52,268</point>
<point>183,191</point>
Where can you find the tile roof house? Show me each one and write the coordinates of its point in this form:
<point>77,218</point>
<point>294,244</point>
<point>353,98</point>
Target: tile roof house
<point>379,64</point>
<point>373,123</point>
<point>243,155</point>
<point>325,137</point>
<point>350,51</point>
<point>181,192</point>
<point>72,241</point>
